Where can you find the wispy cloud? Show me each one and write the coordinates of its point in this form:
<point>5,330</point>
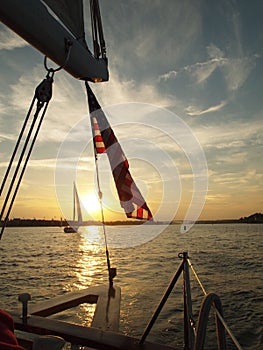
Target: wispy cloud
<point>235,135</point>
<point>201,71</point>
<point>9,40</point>
<point>170,75</point>
<point>193,110</point>
<point>234,179</point>
<point>67,106</point>
<point>6,137</point>
<point>235,70</point>
<point>120,90</point>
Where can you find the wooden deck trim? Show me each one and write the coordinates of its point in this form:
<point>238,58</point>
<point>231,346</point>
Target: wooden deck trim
<point>87,336</point>
<point>107,312</point>
<point>101,335</point>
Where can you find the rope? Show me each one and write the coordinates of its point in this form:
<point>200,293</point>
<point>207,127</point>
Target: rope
<point>235,341</point>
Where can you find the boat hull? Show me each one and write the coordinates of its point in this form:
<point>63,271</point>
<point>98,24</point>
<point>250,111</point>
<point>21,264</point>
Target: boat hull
<point>69,229</point>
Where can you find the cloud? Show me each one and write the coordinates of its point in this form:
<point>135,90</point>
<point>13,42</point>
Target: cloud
<point>10,40</point>
<point>170,75</point>
<point>223,199</point>
<point>201,71</point>
<point>120,90</point>
<point>67,106</point>
<point>235,70</point>
<point>4,136</point>
<point>234,158</point>
<point>193,110</point>
<point>235,178</point>
<point>231,135</point>
<point>214,51</point>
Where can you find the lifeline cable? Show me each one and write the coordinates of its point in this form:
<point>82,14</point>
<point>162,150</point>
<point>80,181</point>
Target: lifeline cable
<point>234,339</point>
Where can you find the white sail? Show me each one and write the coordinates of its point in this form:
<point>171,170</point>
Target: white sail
<point>74,226</point>
<point>77,207</point>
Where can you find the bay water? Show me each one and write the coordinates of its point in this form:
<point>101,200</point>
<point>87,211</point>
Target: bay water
<point>228,258</point>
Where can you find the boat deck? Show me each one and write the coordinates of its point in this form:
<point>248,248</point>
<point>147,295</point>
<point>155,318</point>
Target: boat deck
<point>103,333</point>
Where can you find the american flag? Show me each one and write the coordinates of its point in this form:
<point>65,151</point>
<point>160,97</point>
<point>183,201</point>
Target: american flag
<point>105,141</point>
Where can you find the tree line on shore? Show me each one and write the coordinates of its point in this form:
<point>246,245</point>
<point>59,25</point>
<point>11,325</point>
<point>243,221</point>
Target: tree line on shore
<point>256,218</point>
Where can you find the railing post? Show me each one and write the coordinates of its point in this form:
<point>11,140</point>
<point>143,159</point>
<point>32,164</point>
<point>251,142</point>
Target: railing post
<point>162,302</point>
<point>207,303</point>
<point>188,318</point>
<point>24,298</point>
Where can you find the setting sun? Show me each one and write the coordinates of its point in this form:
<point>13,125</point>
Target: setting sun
<point>91,203</point>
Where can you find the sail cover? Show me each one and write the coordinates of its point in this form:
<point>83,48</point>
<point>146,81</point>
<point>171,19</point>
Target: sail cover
<point>71,15</point>
<point>105,141</point>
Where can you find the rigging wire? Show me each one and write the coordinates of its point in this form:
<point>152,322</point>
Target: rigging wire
<point>17,146</point>
<point>43,94</point>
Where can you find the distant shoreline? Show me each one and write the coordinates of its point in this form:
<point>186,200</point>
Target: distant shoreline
<point>256,218</point>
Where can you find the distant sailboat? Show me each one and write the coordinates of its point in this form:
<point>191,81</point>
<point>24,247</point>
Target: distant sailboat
<point>76,210</point>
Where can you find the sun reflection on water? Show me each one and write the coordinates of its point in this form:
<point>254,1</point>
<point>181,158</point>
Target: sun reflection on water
<point>91,268</point>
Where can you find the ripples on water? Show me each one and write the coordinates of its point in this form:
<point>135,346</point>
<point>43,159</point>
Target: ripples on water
<point>228,258</point>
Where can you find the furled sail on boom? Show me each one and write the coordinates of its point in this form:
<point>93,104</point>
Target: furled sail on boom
<point>56,28</point>
<point>71,14</point>
<point>105,141</point>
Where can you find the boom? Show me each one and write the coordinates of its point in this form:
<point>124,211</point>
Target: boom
<point>32,20</point>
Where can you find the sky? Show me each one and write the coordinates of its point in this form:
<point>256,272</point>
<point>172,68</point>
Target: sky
<point>184,99</point>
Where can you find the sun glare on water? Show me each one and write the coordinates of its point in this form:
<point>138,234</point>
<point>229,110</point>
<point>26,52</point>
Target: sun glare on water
<point>91,203</point>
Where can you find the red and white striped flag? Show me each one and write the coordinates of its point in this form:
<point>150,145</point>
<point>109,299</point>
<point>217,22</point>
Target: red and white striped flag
<point>105,141</point>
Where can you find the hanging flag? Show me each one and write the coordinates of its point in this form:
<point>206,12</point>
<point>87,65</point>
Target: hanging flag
<point>105,141</point>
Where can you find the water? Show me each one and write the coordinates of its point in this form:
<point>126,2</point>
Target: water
<point>46,262</point>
